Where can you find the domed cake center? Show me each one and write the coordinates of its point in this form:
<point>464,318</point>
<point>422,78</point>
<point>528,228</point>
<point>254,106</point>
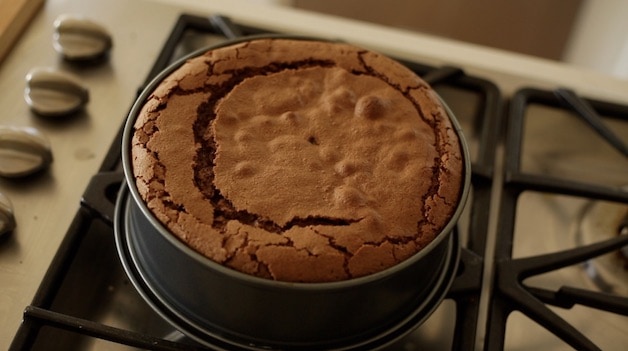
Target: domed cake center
<point>322,143</point>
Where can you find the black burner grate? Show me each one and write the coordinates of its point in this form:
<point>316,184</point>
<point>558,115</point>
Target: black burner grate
<point>510,293</point>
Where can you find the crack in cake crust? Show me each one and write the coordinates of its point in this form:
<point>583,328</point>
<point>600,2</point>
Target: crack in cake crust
<point>204,175</point>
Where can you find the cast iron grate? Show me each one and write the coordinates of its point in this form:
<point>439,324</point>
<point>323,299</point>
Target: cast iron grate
<point>98,202</point>
<point>510,293</point>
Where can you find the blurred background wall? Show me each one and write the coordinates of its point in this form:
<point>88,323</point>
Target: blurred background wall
<point>511,25</point>
<point>588,33</point>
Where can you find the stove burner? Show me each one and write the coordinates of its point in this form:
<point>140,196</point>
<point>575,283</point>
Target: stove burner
<point>603,220</point>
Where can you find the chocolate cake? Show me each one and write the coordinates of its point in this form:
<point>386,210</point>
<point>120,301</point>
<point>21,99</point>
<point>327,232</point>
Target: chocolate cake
<point>298,160</point>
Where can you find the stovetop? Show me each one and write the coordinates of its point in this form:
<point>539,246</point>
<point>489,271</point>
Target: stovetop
<point>531,188</point>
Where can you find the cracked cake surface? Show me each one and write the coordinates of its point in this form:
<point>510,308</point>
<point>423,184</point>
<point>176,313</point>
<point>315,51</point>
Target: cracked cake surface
<point>298,160</point>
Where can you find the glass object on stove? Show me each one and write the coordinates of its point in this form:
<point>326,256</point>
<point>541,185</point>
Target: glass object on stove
<point>601,220</point>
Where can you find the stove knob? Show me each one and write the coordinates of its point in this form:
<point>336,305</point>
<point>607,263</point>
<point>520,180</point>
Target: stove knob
<point>78,39</point>
<point>52,93</point>
<point>7,219</point>
<point>23,151</point>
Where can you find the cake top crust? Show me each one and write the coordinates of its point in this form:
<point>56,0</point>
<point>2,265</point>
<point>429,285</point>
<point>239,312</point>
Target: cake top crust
<point>298,160</point>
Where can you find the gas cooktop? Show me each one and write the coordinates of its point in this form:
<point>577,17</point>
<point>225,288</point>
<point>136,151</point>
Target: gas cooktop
<point>541,235</point>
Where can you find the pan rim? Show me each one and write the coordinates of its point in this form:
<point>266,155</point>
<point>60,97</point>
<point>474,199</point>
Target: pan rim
<point>269,283</point>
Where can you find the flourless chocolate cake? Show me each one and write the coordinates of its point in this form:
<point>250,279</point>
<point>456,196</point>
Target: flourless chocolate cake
<point>298,160</point>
